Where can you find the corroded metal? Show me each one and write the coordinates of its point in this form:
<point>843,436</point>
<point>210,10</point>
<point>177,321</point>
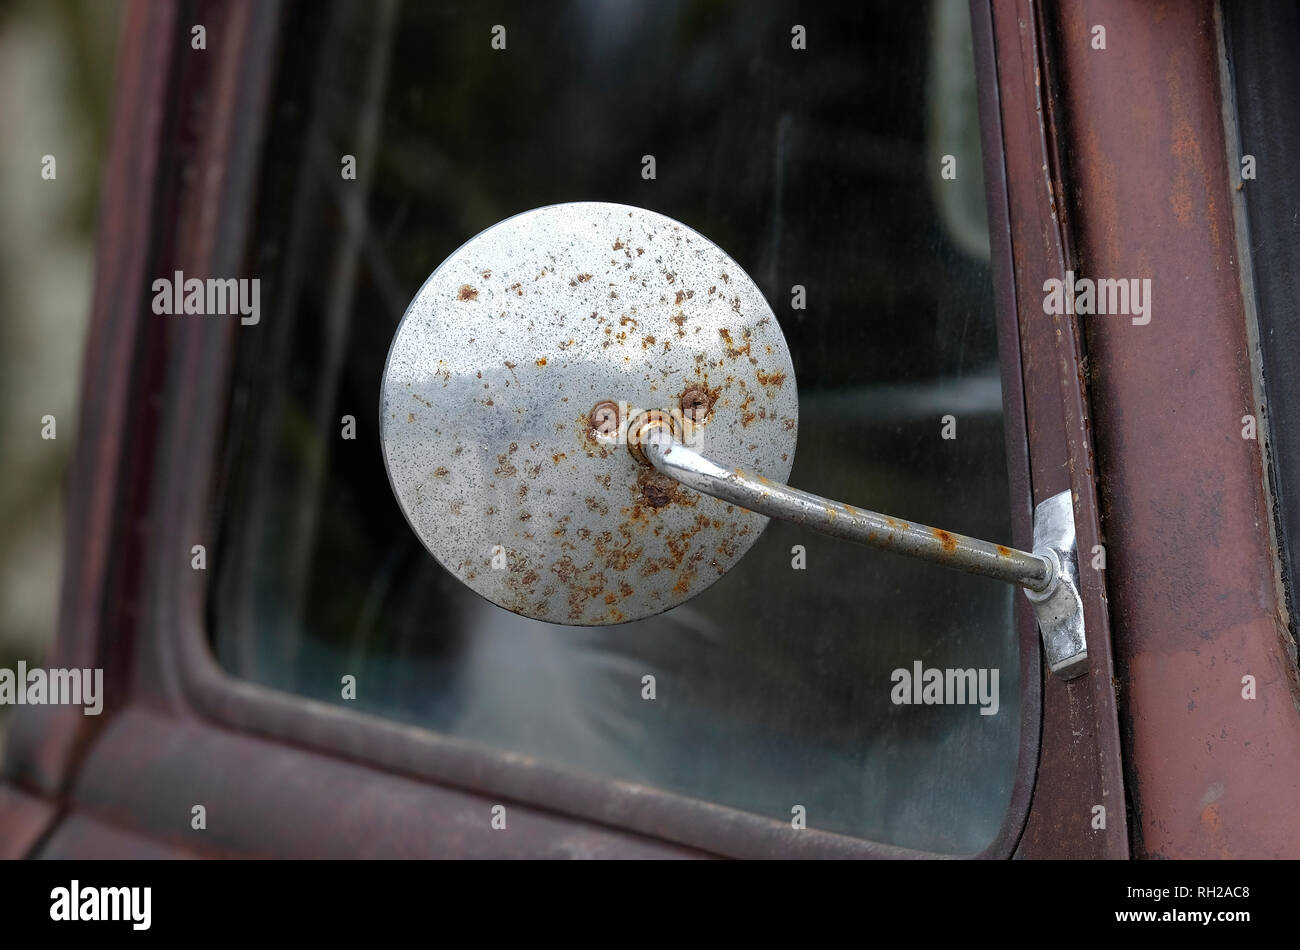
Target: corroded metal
<point>493,378</point>
<point>1058,607</point>
<point>1078,764</point>
<point>1049,575</point>
<point>1034,572</point>
<point>1208,679</point>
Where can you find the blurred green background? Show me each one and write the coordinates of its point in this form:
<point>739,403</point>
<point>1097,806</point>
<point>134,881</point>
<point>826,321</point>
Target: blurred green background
<point>56,82</point>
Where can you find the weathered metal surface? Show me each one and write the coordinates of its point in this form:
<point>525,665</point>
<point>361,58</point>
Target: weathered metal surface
<point>340,809</point>
<point>1079,765</point>
<point>777,500</point>
<point>498,393</point>
<point>1193,585</point>
<point>1059,608</point>
<point>1049,575</point>
<point>995,161</point>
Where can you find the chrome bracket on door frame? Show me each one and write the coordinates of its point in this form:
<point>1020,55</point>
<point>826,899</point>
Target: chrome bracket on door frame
<point>1059,608</point>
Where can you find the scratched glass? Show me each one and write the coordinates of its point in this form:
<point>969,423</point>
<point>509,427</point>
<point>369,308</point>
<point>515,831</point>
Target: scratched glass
<point>817,167</point>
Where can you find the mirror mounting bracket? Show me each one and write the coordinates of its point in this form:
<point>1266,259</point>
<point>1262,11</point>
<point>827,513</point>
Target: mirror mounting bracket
<point>1049,574</point>
<point>1059,609</point>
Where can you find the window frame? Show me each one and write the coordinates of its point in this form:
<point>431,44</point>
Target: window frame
<point>146,621</point>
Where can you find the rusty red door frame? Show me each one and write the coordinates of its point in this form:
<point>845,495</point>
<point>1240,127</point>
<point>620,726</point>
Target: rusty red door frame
<point>1080,767</point>
<point>1195,596</point>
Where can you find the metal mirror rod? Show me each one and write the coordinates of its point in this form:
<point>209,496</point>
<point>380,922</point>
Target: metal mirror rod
<point>666,453</point>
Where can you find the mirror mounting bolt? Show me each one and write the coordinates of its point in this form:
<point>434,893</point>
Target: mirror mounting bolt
<point>640,428</point>
<point>604,418</point>
<point>696,404</point>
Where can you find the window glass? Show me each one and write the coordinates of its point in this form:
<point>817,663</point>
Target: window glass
<point>819,167</point>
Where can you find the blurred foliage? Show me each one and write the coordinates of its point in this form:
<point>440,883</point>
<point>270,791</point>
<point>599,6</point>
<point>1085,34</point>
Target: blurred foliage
<point>56,83</point>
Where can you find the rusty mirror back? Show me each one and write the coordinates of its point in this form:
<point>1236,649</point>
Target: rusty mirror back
<point>588,414</point>
<point>513,382</point>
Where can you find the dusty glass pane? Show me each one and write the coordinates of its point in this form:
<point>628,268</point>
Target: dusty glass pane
<point>817,167</point>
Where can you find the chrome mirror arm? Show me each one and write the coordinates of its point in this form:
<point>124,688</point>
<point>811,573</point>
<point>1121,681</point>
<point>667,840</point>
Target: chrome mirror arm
<point>1048,575</point>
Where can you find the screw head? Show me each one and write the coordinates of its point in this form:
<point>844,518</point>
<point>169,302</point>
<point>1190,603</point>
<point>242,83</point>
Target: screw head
<point>603,418</point>
<point>696,404</point>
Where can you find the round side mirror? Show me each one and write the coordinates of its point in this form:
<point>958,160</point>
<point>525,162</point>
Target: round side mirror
<point>517,384</point>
